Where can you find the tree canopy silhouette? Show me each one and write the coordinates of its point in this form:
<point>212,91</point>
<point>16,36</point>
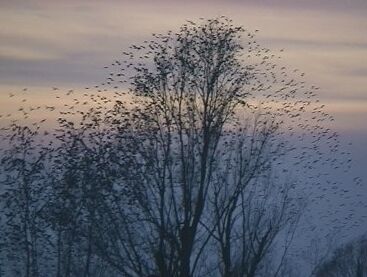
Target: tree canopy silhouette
<point>179,172</point>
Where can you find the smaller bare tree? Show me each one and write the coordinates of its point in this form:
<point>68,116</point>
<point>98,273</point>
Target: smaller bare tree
<point>349,260</point>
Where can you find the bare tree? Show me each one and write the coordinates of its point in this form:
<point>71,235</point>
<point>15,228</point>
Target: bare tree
<point>81,178</point>
<point>319,251</point>
<point>254,217</point>
<point>179,175</point>
<point>197,179</point>
<point>22,201</point>
<point>347,261</point>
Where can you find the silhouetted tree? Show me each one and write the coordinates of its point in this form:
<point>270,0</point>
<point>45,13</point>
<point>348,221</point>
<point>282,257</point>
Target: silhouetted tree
<point>349,260</point>
<point>22,202</point>
<point>198,178</point>
<point>179,173</point>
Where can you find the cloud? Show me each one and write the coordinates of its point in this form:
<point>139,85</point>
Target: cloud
<point>71,40</point>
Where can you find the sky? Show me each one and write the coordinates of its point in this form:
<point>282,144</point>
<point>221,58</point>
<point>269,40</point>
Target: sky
<point>66,44</point>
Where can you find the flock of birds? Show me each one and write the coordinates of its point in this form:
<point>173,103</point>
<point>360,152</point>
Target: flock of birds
<point>314,151</point>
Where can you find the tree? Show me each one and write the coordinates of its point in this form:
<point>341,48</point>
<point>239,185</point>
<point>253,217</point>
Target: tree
<point>23,200</point>
<point>81,180</point>
<point>199,179</point>
<point>180,174</point>
<point>347,260</point>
